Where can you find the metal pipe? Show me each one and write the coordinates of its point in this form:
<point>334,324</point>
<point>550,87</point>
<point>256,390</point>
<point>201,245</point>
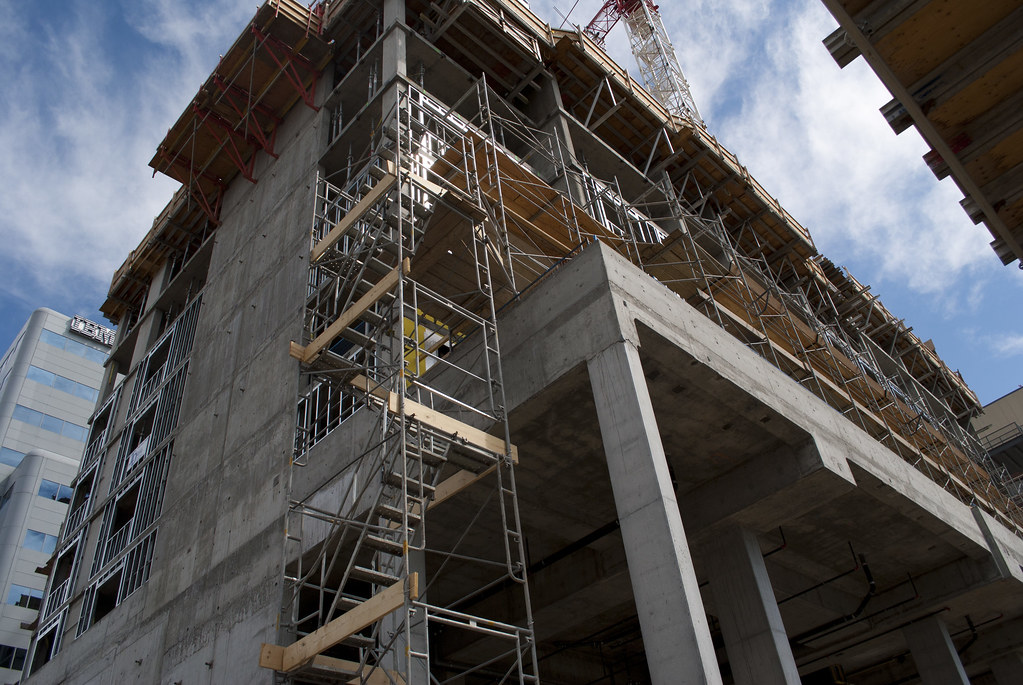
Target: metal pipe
<point>848,618</point>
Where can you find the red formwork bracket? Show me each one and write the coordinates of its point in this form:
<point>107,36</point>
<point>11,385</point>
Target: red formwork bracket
<point>257,118</point>
<point>187,164</point>
<point>290,63</point>
<point>230,139</point>
<point>211,209</point>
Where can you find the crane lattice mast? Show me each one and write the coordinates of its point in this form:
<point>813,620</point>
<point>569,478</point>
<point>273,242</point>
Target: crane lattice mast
<point>654,52</point>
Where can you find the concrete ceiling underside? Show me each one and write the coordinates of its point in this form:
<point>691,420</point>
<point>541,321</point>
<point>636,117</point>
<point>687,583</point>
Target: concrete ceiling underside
<point>821,561</point>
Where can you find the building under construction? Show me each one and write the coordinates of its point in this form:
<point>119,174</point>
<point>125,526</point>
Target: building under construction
<point>459,357</point>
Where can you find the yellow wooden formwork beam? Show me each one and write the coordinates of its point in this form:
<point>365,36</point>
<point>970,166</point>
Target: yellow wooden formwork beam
<point>294,656</point>
<point>311,351</point>
<point>353,215</point>
<point>435,419</point>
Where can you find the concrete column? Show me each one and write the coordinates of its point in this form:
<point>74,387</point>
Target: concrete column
<point>671,616</point>
<point>755,639</point>
<point>934,653</point>
<point>394,53</point>
<point>1008,669</point>
<point>394,43</point>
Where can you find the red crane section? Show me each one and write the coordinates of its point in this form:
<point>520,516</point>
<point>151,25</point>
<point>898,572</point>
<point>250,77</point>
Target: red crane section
<point>608,16</point>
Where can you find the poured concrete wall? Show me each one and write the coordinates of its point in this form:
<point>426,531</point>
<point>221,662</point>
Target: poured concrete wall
<point>215,589</point>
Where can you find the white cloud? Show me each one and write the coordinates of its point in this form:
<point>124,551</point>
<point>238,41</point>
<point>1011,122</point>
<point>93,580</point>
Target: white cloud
<point>1008,345</point>
<point>77,192</point>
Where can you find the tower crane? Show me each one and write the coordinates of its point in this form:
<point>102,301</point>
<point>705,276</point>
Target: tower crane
<point>654,52</point>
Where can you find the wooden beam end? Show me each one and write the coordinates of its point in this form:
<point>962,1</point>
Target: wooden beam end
<point>271,656</point>
<point>413,586</point>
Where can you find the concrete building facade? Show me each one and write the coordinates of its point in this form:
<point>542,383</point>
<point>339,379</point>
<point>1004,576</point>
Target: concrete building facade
<point>458,358</point>
<point>1000,430</point>
<point>49,382</point>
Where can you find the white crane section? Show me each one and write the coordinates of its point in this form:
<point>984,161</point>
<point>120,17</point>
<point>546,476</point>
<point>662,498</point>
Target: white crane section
<point>658,64</point>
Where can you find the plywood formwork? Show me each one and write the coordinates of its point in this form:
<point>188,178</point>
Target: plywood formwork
<point>955,71</point>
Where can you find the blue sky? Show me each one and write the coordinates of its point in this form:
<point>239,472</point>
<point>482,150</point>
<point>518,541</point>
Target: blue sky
<point>90,88</point>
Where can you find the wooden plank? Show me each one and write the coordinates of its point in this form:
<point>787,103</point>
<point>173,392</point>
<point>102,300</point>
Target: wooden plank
<point>354,214</point>
<point>435,419</point>
<point>446,424</point>
<point>368,386</point>
<point>271,656</point>
<point>296,350</point>
<point>449,487</point>
<point>383,286</point>
<point>346,625</point>
<point>344,667</point>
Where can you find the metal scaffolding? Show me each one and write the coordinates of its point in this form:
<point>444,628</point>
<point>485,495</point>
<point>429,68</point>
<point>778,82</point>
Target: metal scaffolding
<point>412,362</point>
<point>451,211</point>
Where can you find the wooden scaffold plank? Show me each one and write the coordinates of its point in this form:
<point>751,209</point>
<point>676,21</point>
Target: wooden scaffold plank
<point>304,651</point>
<point>311,351</point>
<point>435,419</point>
<point>357,212</point>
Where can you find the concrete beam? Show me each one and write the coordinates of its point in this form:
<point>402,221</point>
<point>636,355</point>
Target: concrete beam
<point>934,653</point>
<point>765,492</point>
<point>676,636</point>
<point>755,638</point>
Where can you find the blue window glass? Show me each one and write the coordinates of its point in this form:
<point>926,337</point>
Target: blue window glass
<point>54,339</point>
<point>85,392</point>
<point>73,346</point>
<point>94,355</point>
<point>61,383</point>
<point>64,384</point>
<point>40,542</point>
<point>26,415</point>
<point>10,457</point>
<point>40,375</point>
<point>55,491</point>
<point>52,424</point>
<point>48,489</point>
<point>74,431</point>
<point>21,596</point>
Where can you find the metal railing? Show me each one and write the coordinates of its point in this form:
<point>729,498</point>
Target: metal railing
<point>994,439</point>
<point>57,597</point>
<point>94,448</point>
<point>117,542</point>
<point>77,516</point>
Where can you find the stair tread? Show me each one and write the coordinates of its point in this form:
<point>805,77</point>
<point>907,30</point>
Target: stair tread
<point>373,576</point>
<point>383,544</point>
<point>394,513</point>
<point>394,480</point>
